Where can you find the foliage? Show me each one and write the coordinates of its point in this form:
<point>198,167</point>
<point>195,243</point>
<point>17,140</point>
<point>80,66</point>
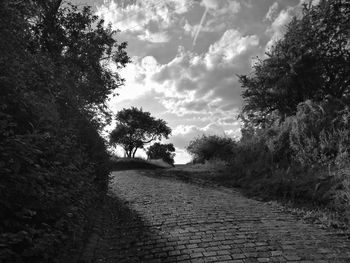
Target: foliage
<point>295,137</point>
<point>136,163</point>
<point>135,128</point>
<point>211,147</point>
<point>304,158</point>
<point>162,151</point>
<point>54,84</point>
<point>311,62</point>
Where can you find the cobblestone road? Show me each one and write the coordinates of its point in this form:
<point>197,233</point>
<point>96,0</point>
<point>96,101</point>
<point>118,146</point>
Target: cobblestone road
<point>150,219</point>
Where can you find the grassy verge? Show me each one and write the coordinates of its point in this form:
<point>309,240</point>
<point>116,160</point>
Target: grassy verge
<point>136,163</point>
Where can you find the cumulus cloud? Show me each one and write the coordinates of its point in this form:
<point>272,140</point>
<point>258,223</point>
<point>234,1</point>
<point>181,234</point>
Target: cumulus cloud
<point>137,77</point>
<point>230,45</point>
<point>148,19</point>
<point>210,77</point>
<point>158,37</point>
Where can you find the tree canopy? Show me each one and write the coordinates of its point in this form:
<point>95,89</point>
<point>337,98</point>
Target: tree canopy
<point>162,151</point>
<point>135,128</point>
<point>311,61</point>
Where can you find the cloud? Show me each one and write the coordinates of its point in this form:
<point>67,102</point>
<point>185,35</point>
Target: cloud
<point>270,15</point>
<point>230,45</point>
<point>158,37</point>
<point>147,19</point>
<point>137,77</point>
<point>209,77</point>
<point>183,134</point>
<point>210,4</point>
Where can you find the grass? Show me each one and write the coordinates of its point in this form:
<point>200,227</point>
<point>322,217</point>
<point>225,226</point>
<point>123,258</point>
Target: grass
<point>137,163</point>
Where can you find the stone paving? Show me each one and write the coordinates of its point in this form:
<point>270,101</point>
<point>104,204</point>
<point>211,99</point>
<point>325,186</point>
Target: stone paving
<point>150,219</point>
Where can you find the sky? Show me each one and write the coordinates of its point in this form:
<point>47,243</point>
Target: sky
<point>186,55</point>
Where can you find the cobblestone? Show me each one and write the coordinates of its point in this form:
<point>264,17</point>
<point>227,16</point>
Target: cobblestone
<point>159,219</point>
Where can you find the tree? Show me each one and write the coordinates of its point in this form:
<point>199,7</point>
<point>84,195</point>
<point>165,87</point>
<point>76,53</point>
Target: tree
<point>54,81</point>
<point>311,62</point>
<point>135,128</point>
<point>162,151</point>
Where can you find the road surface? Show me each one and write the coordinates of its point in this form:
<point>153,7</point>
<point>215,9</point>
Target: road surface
<point>154,218</point>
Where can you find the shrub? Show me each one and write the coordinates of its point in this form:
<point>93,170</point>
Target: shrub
<point>210,147</point>
<point>319,134</point>
<point>305,158</point>
<point>162,151</point>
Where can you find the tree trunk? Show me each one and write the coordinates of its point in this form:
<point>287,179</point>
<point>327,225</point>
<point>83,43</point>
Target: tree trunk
<point>128,152</point>
<point>133,154</point>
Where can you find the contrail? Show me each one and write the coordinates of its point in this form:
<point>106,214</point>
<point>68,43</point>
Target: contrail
<point>200,26</point>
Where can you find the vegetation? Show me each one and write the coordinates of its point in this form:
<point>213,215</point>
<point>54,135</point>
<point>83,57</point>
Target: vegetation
<point>295,137</point>
<point>135,128</point>
<point>135,164</point>
<point>166,152</point>
<point>54,84</point>
<point>311,62</point>
<point>210,147</point>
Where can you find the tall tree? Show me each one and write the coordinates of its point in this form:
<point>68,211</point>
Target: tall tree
<point>135,128</point>
<point>54,82</point>
<point>83,48</point>
<point>311,61</point>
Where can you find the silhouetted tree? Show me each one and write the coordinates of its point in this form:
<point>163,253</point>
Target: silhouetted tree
<point>135,128</point>
<point>209,147</point>
<point>162,151</point>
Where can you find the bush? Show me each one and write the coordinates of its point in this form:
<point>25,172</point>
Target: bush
<point>305,158</point>
<point>319,134</point>
<point>211,147</point>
